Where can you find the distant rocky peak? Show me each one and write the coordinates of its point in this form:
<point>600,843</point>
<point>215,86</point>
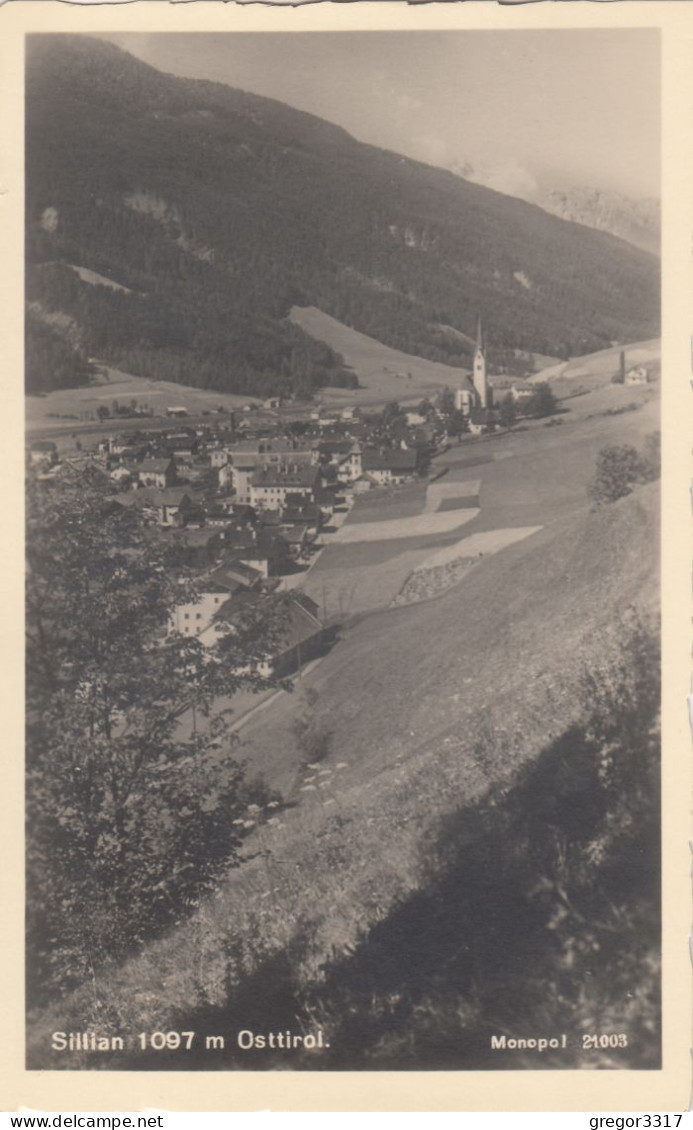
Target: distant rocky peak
<point>633,218</point>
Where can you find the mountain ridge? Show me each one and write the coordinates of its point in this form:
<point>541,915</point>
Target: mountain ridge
<point>220,210</point>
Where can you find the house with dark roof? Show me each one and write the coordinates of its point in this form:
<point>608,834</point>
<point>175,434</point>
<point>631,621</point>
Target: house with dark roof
<point>389,467</point>
<point>167,507</point>
<point>198,548</point>
<point>333,451</point>
<point>481,420</point>
<point>350,466</point>
<point>265,549</point>
<point>183,446</point>
<point>157,472</point>
<point>200,617</point>
<point>232,575</point>
<point>299,640</point>
<point>298,512</point>
<point>297,635</point>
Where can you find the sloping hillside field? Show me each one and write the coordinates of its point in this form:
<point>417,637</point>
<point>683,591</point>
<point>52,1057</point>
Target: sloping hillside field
<point>522,480</point>
<point>383,373</point>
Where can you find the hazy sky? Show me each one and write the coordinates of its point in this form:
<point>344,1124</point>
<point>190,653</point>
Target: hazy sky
<point>555,107</point>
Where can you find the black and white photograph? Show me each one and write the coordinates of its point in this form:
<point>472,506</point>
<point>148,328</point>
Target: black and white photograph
<point>342,374</point>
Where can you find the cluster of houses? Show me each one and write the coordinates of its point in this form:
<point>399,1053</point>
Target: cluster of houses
<point>245,507</point>
<point>247,500</point>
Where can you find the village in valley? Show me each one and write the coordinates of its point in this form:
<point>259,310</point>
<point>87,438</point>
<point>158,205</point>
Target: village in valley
<point>254,496</point>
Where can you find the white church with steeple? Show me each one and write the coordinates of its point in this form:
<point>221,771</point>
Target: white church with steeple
<point>477,394</point>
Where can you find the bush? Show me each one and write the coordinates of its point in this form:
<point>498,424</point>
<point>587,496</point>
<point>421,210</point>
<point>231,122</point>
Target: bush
<point>619,469</point>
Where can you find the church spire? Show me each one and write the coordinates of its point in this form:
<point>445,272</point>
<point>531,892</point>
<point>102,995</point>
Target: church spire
<point>479,375</point>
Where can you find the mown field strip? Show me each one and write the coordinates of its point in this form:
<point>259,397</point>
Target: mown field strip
<point>484,543</point>
<point>443,491</point>
<point>419,526</point>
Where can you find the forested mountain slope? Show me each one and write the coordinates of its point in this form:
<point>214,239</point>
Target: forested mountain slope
<point>197,215</point>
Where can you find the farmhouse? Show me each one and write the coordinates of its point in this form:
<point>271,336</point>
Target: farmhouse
<point>333,451</point>
<point>198,618</point>
<point>199,548</point>
<point>387,468</point>
<point>350,466</point>
<point>298,512</point>
<point>182,444</point>
<point>298,637</point>
<point>218,457</point>
<point>167,507</point>
<point>521,390</point>
<point>638,375</point>
<point>157,473</point>
<point>480,421</point>
<point>195,617</point>
<point>263,550</point>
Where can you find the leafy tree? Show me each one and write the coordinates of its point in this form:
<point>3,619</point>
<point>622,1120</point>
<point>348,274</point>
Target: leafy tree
<point>454,419</point>
<point>508,412</point>
<point>446,402</point>
<point>391,413</point>
<point>130,810</point>
<point>312,738</point>
<point>456,423</point>
<point>619,469</point>
<point>543,401</point>
<point>297,427</point>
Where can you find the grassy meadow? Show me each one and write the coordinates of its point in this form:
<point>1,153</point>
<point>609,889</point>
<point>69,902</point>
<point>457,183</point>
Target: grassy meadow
<point>384,373</point>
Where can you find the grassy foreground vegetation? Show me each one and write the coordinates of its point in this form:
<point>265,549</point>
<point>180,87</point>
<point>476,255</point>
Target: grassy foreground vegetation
<point>415,927</point>
<point>539,909</point>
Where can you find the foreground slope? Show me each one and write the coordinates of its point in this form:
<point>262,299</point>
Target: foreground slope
<point>421,732</point>
<point>426,710</point>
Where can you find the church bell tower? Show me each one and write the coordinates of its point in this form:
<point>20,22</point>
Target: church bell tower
<point>479,376</point>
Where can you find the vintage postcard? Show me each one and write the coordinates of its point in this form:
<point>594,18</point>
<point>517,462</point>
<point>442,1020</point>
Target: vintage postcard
<point>348,354</point>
